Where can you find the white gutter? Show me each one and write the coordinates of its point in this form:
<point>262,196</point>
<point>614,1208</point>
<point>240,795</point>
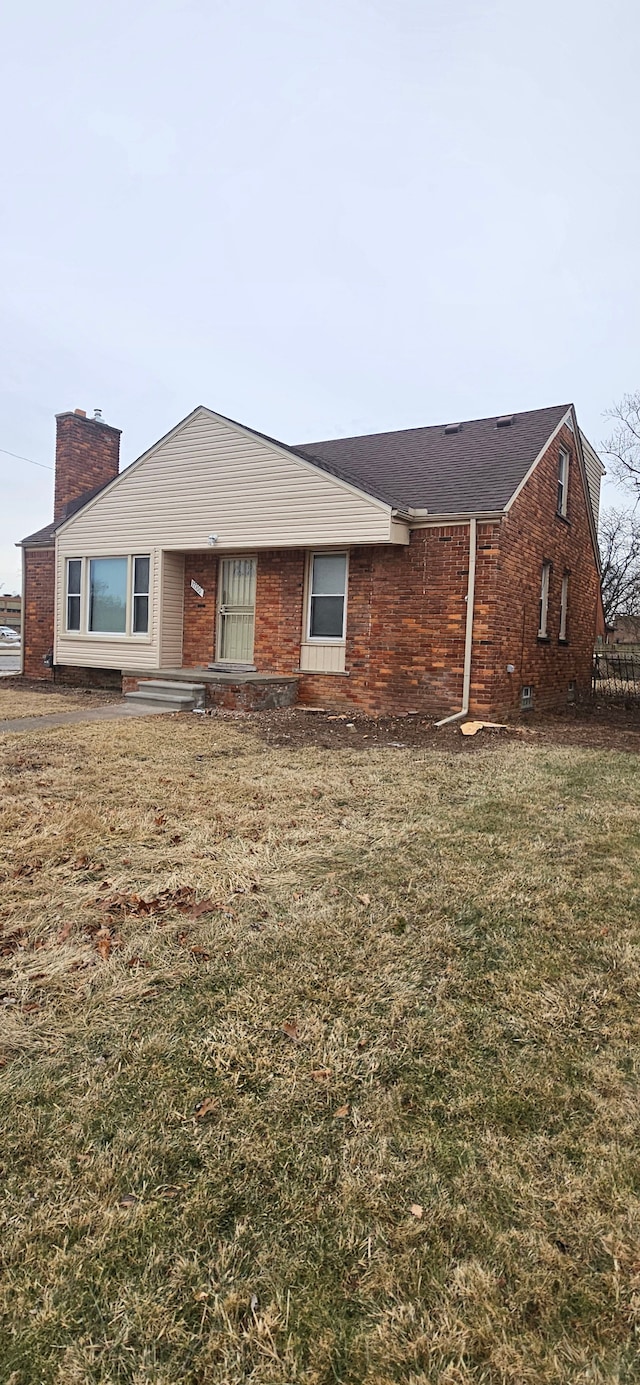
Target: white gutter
<point>468,638</point>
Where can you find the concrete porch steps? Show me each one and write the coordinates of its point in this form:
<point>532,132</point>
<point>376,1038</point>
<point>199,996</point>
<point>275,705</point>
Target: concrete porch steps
<point>182,696</point>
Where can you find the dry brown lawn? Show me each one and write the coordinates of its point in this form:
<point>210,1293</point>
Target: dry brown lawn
<point>36,702</point>
<point>317,1066</point>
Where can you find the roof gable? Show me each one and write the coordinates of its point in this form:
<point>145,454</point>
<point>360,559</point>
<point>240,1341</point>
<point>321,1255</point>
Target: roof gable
<point>210,475</point>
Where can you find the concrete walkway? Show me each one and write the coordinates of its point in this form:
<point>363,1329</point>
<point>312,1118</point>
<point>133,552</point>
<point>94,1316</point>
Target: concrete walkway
<point>112,711</point>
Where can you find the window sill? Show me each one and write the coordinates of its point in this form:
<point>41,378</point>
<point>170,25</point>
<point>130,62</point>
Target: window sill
<point>563,643</point>
<point>323,673</point>
<point>107,635</point>
<point>564,519</point>
<point>544,639</point>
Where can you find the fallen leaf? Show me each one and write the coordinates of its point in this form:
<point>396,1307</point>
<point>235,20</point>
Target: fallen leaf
<point>341,1112</point>
<point>64,933</point>
<point>364,898</point>
<point>31,1007</point>
<point>160,819</point>
<point>103,943</point>
<point>175,840</point>
<point>205,1108</point>
<point>319,1074</point>
<point>416,1210</point>
<point>171,1191</point>
<point>137,962</point>
<point>206,906</point>
<point>129,1200</point>
<point>291,1030</point>
<point>201,1295</point>
<point>201,954</point>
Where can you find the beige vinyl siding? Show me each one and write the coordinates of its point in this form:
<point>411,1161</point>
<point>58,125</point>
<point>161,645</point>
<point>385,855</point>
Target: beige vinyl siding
<point>595,471</point>
<point>107,651</point>
<point>210,476</point>
<point>322,658</point>
<point>171,606</point>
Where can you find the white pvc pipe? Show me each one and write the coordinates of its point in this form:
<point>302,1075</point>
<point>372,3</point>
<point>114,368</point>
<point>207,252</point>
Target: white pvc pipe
<point>468,636</point>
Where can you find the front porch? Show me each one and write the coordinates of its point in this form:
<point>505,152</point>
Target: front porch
<point>237,690</point>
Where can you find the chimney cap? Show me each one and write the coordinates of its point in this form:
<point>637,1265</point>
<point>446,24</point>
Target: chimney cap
<point>81,413</point>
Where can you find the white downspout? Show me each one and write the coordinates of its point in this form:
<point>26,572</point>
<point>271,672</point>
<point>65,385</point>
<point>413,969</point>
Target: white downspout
<point>468,637</point>
<point>23,611</point>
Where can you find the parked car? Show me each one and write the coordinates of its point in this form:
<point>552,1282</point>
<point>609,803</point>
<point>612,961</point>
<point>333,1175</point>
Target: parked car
<point>9,636</point>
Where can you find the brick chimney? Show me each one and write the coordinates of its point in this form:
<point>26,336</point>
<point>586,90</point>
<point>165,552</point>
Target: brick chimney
<point>87,456</point>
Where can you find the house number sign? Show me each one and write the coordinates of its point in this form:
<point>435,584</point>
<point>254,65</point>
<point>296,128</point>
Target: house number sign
<point>199,591</point>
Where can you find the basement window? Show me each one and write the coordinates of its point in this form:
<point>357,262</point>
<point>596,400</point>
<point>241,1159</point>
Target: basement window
<point>74,593</point>
<point>571,691</point>
<point>526,697</point>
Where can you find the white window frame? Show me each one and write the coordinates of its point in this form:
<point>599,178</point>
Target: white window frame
<point>326,553</point>
<point>564,607</point>
<point>526,697</point>
<point>545,583</point>
<point>111,636</point>
<point>139,634</point>
<point>72,629</point>
<point>563,483</point>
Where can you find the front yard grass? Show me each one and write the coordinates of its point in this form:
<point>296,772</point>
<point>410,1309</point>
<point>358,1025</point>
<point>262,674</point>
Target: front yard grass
<point>316,1066</point>
<point>18,701</point>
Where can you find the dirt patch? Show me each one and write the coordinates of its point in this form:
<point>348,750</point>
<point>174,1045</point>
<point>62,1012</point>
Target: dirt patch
<point>598,728</point>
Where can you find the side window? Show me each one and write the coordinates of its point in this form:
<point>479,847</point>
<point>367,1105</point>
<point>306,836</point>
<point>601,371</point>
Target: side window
<point>74,593</point>
<point>327,596</point>
<point>564,606</point>
<point>140,623</point>
<point>563,482</point>
<point>544,601</point>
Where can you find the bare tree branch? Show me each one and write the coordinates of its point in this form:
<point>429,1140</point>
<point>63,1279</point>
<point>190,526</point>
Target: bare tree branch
<point>623,444</point>
<point>620,554</point>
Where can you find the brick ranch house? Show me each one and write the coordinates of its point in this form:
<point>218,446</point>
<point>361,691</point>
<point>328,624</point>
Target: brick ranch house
<point>437,570</point>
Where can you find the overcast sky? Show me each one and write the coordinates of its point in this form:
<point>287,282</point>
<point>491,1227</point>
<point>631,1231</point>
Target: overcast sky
<point>320,217</point>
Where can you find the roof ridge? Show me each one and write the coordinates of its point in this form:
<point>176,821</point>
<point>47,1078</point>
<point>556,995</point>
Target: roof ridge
<point>428,427</point>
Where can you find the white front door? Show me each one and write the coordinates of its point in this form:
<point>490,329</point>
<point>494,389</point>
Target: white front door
<point>236,610</point>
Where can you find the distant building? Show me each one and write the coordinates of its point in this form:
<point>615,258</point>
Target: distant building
<point>11,611</point>
<point>625,630</point>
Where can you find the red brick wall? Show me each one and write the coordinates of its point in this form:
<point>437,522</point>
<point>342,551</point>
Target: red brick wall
<point>87,456</point>
<point>530,534</point>
<point>39,589</point>
<point>279,597</point>
<point>198,637</point>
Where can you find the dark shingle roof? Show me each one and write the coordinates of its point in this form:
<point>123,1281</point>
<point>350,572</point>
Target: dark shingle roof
<point>43,538</point>
<point>477,468</point>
